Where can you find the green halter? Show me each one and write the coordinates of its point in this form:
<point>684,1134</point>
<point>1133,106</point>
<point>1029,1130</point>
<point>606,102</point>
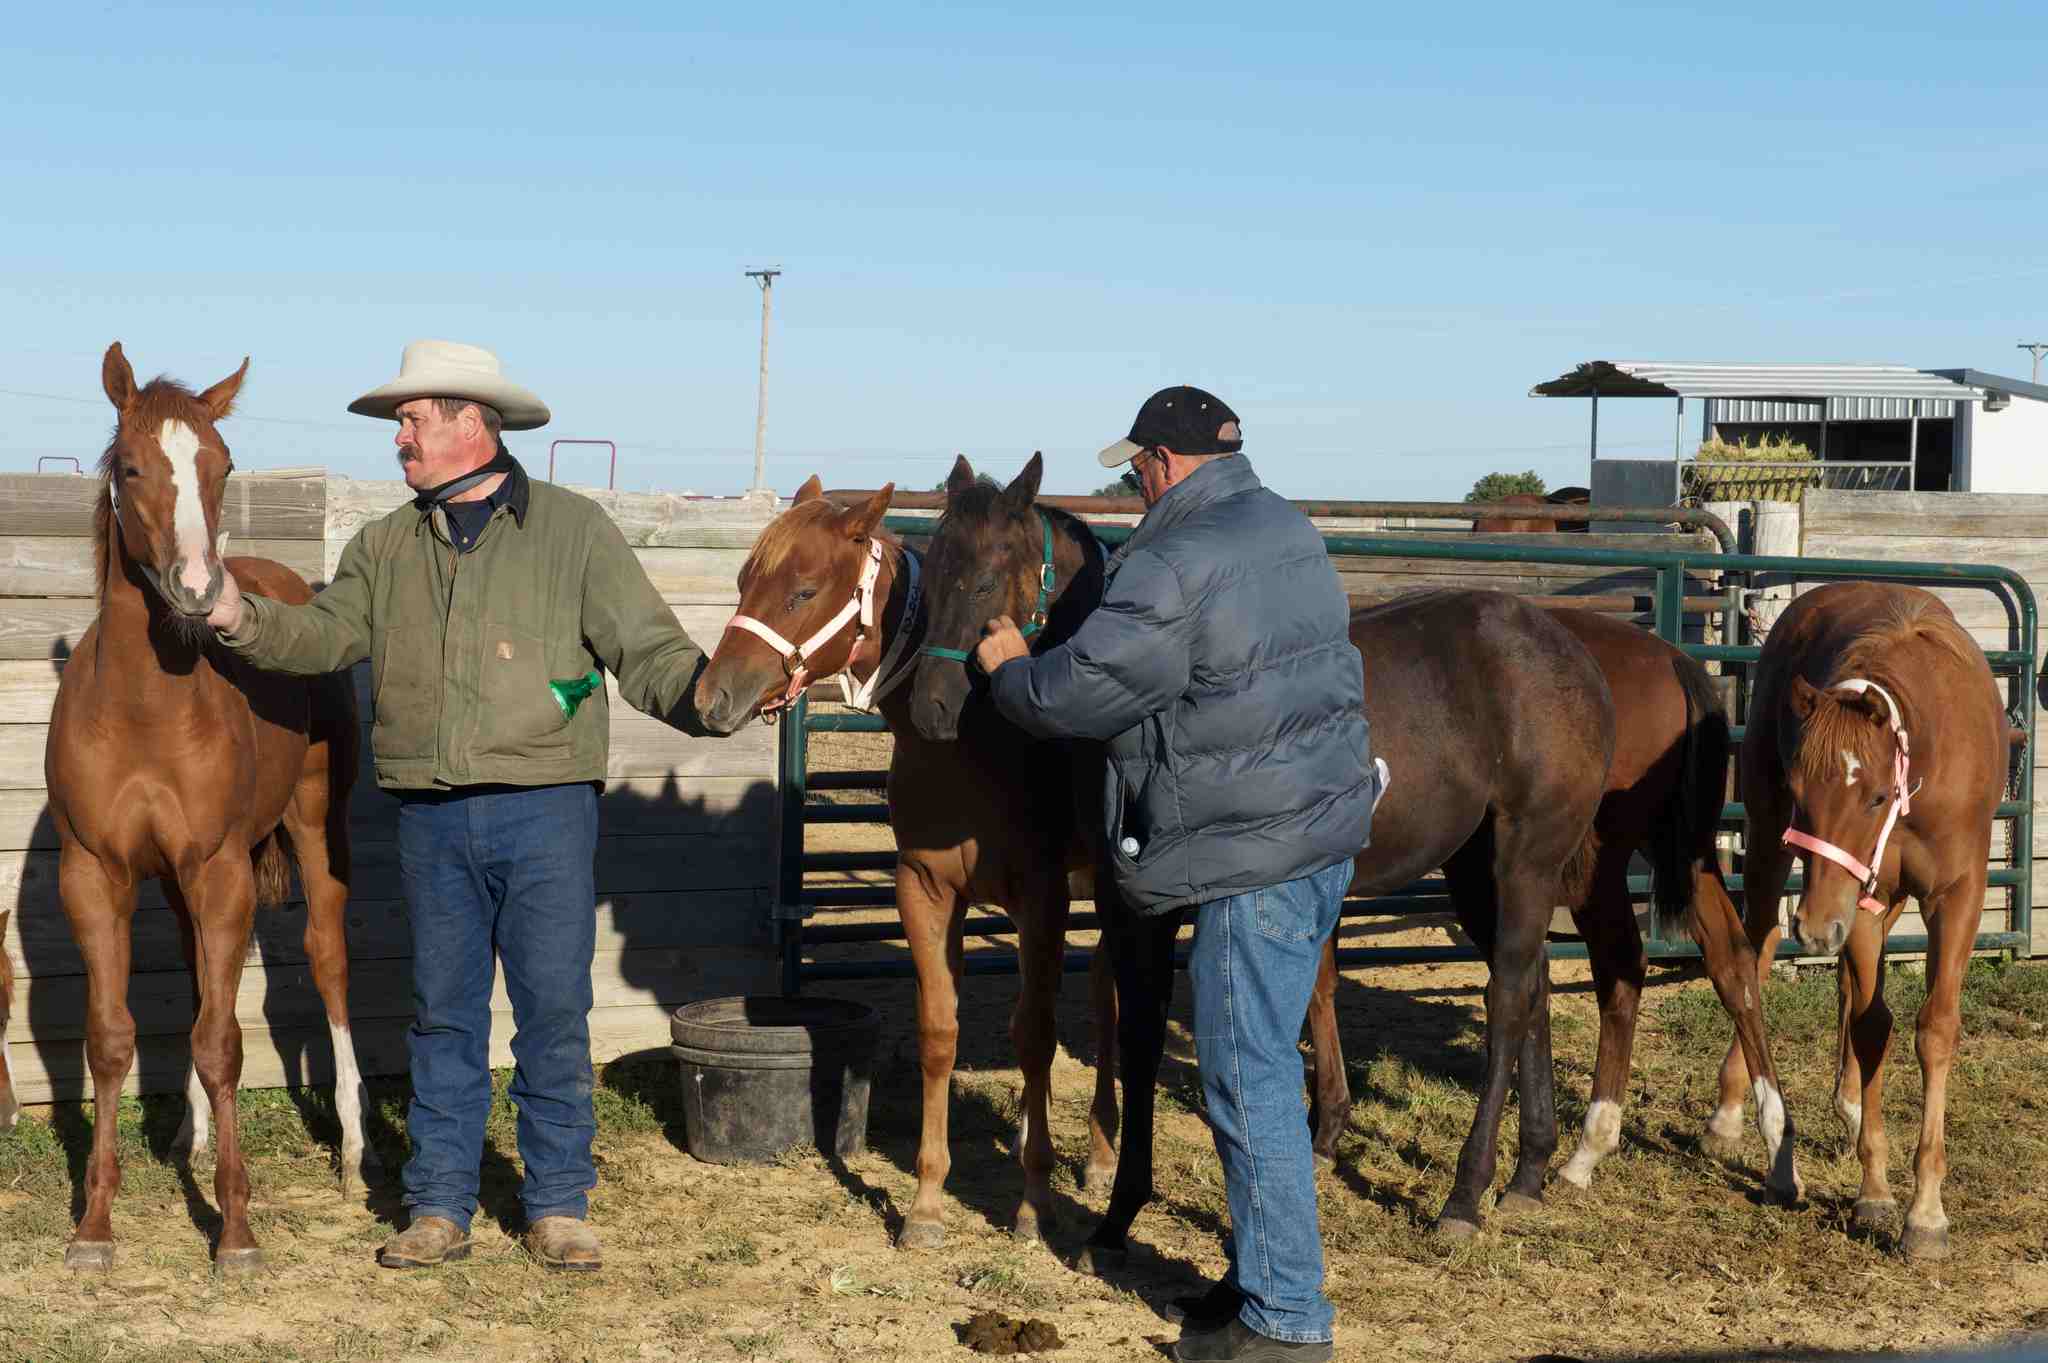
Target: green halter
<point>1046,580</point>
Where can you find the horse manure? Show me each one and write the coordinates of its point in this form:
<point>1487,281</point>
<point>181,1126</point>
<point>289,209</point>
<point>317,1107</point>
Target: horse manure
<point>991,1332</point>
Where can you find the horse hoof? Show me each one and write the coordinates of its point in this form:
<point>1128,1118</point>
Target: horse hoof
<point>1720,1146</point>
<point>1874,1214</point>
<point>1922,1245</point>
<point>1456,1228</point>
<point>89,1256</point>
<point>1030,1230</point>
<point>238,1263</point>
<point>1326,1160</point>
<point>1518,1204</point>
<point>1101,1260</point>
<point>921,1235</point>
<point>1098,1176</point>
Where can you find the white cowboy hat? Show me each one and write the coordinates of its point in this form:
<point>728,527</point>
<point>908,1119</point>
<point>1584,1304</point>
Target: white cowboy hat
<point>450,369</point>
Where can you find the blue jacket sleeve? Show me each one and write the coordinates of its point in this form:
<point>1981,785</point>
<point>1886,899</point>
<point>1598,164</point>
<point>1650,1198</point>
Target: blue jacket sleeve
<point>1130,659</point>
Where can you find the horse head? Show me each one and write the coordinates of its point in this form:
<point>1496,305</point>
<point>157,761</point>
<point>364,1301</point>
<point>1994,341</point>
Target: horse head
<point>803,570</point>
<point>1843,770</point>
<point>987,558</point>
<point>165,470</point>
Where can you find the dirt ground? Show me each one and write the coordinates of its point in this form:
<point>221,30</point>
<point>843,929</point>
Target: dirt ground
<point>1674,1251</point>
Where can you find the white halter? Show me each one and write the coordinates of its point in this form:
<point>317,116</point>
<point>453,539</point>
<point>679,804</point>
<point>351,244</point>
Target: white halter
<point>1902,804</point>
<point>861,606</point>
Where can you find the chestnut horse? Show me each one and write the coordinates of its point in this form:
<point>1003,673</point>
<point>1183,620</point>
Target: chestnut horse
<point>984,819</point>
<point>1533,525</point>
<point>1498,728</point>
<point>1877,751</point>
<point>168,758</point>
<point>1665,789</point>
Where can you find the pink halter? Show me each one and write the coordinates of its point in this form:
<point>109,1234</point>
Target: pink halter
<point>1902,804</point>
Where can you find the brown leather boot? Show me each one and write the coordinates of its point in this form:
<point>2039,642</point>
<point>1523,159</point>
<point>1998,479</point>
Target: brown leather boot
<point>428,1241</point>
<point>566,1243</point>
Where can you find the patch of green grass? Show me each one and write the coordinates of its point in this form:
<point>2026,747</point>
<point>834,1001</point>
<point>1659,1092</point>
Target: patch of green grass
<point>732,1248</point>
<point>755,1343</point>
<point>1003,1282</point>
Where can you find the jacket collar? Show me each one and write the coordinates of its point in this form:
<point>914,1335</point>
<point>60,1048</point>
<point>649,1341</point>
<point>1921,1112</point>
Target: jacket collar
<point>1210,483</point>
<point>516,492</point>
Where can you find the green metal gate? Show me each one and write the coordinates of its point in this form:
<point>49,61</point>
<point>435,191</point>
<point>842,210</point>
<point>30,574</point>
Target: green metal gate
<point>796,903</point>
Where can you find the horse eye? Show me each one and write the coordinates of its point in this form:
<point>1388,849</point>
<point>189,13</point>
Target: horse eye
<point>802,597</point>
<point>130,471</point>
<point>984,587</point>
<point>1877,800</point>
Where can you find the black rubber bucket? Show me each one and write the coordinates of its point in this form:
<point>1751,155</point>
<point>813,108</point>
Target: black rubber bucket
<point>761,1074</point>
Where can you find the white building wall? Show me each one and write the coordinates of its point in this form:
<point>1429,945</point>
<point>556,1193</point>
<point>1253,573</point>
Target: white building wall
<point>2002,451</point>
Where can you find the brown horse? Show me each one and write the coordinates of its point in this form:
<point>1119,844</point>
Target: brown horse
<point>1533,525</point>
<point>1878,747</point>
<point>169,759</point>
<point>1664,793</point>
<point>985,819</point>
<point>1498,728</point>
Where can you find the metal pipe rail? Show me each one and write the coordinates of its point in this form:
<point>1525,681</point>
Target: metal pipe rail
<point>1668,608</point>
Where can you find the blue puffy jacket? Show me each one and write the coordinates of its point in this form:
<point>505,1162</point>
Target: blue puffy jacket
<point>1220,670</point>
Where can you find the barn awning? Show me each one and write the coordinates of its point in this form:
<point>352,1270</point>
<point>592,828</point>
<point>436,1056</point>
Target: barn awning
<point>1678,379</point>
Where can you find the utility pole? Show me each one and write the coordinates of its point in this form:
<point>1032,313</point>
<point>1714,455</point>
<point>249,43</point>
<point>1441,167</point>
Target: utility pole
<point>2038,348</point>
<point>766,279</point>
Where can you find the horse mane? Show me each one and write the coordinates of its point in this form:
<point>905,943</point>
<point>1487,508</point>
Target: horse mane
<point>782,535</point>
<point>1904,620</point>
<point>161,399</point>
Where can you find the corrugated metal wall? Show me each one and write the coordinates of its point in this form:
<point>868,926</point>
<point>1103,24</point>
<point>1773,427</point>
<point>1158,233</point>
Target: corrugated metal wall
<point>1764,411</point>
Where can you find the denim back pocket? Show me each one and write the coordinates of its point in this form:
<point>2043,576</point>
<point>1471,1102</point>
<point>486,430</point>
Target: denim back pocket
<point>1285,913</point>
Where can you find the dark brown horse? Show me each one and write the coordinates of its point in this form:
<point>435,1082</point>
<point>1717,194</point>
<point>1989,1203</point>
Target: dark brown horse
<point>986,819</point>
<point>1664,793</point>
<point>169,759</point>
<point>1498,728</point>
<point>1877,751</point>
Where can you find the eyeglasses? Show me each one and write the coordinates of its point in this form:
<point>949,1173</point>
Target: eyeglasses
<point>1130,476</point>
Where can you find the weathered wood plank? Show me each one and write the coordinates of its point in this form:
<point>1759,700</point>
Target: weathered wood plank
<point>40,943</point>
<point>163,1002</point>
<point>32,628</point>
<point>633,865</point>
<point>2000,516</point>
<point>50,565</point>
<point>252,505</point>
<point>55,1071</point>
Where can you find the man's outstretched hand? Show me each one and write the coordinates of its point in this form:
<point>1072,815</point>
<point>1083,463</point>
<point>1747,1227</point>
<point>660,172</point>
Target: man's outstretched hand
<point>1000,642</point>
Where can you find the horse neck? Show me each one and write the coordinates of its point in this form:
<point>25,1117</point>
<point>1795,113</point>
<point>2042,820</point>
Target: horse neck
<point>1078,563</point>
<point>134,622</point>
<point>892,588</point>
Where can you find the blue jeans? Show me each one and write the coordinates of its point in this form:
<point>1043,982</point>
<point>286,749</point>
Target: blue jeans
<point>1254,970</point>
<point>500,874</point>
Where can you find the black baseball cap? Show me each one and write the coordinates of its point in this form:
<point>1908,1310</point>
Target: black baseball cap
<point>1185,420</point>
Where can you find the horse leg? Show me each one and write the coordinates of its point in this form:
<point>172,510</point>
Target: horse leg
<point>10,1110</point>
<point>1142,953</point>
<point>1102,1112</point>
<point>932,915</point>
<point>1330,1095</point>
<point>1731,965</point>
<point>101,913</point>
<point>1614,949</point>
<point>223,896</point>
<point>1952,918</point>
<point>1866,1032</point>
<point>1765,867</point>
<point>1507,915</point>
<point>192,1139</point>
<point>1041,919</point>
<point>318,826</point>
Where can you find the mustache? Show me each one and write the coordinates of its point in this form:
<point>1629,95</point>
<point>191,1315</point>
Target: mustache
<point>407,453</point>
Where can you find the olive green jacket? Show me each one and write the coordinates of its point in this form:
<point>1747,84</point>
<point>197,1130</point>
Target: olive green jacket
<point>462,646</point>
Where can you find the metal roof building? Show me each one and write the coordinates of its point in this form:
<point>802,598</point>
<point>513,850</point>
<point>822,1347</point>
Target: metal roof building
<point>1870,425</point>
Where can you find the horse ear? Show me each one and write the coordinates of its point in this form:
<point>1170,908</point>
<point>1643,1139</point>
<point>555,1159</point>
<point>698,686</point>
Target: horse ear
<point>862,520</point>
<point>1805,698</point>
<point>961,478</point>
<point>1023,489</point>
<point>810,491</point>
<point>1868,704</point>
<point>220,399</point>
<point>117,376</point>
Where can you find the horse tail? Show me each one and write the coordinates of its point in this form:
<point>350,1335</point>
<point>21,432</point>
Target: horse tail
<point>1683,826</point>
<point>274,864</point>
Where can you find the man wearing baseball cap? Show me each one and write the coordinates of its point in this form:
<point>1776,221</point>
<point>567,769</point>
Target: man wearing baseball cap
<point>1220,671</point>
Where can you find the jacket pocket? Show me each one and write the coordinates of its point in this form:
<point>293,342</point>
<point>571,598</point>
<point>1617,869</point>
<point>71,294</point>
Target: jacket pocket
<point>406,691</point>
<point>518,715</point>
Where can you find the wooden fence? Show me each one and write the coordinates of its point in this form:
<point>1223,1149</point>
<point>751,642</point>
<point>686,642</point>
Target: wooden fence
<point>685,864</point>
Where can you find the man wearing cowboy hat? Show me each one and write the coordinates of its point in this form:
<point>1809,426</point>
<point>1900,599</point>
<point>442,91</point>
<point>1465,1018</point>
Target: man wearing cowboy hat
<point>490,607</point>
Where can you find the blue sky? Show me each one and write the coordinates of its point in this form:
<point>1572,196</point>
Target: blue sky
<point>1369,228</point>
